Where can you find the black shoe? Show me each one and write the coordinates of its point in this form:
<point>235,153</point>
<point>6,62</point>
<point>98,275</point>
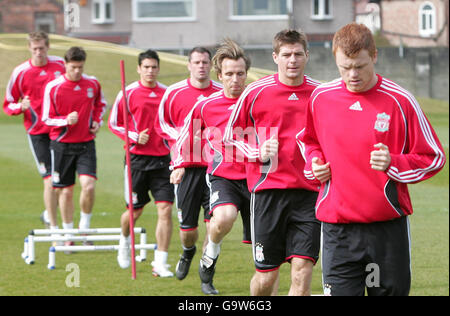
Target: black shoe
<point>184,263</point>
<point>207,268</point>
<point>209,289</point>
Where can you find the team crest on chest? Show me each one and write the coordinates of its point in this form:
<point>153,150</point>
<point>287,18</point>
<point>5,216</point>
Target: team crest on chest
<point>382,122</point>
<point>90,93</point>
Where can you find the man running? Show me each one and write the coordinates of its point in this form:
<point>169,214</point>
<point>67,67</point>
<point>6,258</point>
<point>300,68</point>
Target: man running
<point>365,139</point>
<point>226,175</point>
<point>149,157</point>
<point>74,106</point>
<point>191,190</point>
<point>263,125</point>
<point>24,95</point>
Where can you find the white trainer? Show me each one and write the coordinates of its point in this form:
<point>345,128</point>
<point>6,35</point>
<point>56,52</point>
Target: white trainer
<point>161,270</point>
<point>123,257</point>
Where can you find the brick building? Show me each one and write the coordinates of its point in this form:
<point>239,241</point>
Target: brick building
<point>24,16</point>
<point>412,23</point>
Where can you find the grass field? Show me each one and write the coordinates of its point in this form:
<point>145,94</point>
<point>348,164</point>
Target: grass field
<point>21,205</point>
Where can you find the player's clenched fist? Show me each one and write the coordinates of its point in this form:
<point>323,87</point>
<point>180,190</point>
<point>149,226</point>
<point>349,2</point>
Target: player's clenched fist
<point>25,104</point>
<point>380,159</point>
<point>176,176</point>
<point>321,170</point>
<point>268,149</point>
<point>72,118</point>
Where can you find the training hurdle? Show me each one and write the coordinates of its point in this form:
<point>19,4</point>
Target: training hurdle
<point>91,234</point>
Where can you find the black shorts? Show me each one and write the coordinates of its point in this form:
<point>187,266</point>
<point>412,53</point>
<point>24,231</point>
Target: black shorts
<point>191,194</point>
<point>40,148</point>
<point>235,192</point>
<point>373,257</point>
<point>68,158</point>
<point>157,181</point>
<point>284,226</point>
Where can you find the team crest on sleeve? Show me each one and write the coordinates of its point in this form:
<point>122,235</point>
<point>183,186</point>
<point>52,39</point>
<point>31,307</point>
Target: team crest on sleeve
<point>382,122</point>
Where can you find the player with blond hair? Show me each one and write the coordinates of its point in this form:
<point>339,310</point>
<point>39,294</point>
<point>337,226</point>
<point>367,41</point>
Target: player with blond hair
<point>226,175</point>
<point>24,95</point>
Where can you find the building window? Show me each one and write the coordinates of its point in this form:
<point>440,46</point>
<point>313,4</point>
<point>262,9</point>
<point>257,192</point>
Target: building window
<point>163,10</point>
<point>321,9</point>
<point>102,11</point>
<point>260,9</point>
<point>44,21</point>
<point>427,20</point>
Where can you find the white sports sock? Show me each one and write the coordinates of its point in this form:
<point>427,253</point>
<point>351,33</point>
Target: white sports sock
<point>55,227</point>
<point>124,241</point>
<point>212,249</point>
<point>46,217</point>
<point>85,220</point>
<point>68,226</point>
<point>161,257</point>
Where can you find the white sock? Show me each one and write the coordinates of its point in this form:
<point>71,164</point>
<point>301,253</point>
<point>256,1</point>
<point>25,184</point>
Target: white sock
<point>124,241</point>
<point>212,249</point>
<point>46,217</point>
<point>161,257</point>
<point>55,227</point>
<point>85,220</point>
<point>68,226</point>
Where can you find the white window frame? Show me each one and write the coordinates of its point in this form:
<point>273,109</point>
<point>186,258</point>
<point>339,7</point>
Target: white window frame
<point>103,19</point>
<point>259,17</point>
<point>430,30</point>
<point>136,18</point>
<point>322,15</point>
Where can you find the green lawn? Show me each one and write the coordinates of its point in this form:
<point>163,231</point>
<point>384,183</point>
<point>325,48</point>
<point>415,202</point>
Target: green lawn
<point>21,205</point>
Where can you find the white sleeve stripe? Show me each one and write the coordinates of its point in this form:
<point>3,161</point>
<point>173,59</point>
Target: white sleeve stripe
<point>14,106</point>
<point>426,131</point>
<point>165,127</point>
<point>250,88</point>
<point>228,135</point>
<point>330,88</point>
<point>18,71</point>
<point>300,144</point>
<point>46,103</point>
<point>425,127</point>
<point>115,113</point>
